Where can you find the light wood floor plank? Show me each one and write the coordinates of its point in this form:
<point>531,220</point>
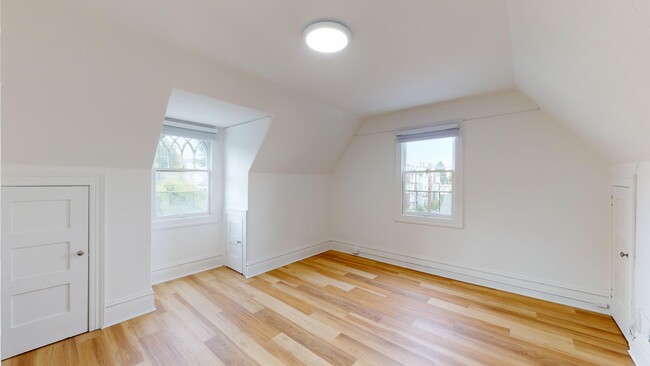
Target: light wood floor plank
<point>338,309</point>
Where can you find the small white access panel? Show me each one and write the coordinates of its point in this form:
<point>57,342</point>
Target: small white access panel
<point>44,266</point>
<point>235,241</point>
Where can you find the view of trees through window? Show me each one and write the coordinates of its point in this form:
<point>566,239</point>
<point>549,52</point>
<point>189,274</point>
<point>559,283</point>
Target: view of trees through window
<point>182,168</point>
<point>428,176</point>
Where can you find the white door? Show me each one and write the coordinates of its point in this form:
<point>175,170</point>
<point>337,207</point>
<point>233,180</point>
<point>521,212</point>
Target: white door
<point>235,250</point>
<point>44,266</point>
<point>622,256</point>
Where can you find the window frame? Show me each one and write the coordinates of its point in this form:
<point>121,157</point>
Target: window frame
<point>214,176</point>
<point>456,219</point>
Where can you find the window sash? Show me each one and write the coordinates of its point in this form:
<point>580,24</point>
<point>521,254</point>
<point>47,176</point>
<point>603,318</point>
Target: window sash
<point>435,194</point>
<point>207,212</point>
<point>439,133</point>
<point>455,204</point>
<point>206,135</point>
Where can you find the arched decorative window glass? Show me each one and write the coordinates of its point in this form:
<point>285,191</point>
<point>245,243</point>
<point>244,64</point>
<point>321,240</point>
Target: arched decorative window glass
<point>162,156</point>
<point>175,152</point>
<point>201,156</point>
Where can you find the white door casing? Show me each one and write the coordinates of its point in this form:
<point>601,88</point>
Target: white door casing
<point>623,226</point>
<point>44,266</point>
<point>235,242</point>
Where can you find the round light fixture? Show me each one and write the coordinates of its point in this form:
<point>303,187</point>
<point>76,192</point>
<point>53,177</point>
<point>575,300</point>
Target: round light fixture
<point>327,37</point>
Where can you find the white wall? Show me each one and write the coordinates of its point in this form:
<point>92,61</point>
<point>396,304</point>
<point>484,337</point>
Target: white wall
<point>83,91</point>
<point>536,202</point>
<point>640,347</point>
<point>288,219</point>
<point>181,251</point>
<point>241,145</point>
<point>186,246</point>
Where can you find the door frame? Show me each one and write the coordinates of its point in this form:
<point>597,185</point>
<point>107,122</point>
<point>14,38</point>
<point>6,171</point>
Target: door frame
<point>629,183</point>
<point>242,214</point>
<point>46,177</point>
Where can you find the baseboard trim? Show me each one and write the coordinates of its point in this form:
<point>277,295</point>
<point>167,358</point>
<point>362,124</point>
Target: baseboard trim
<point>579,298</point>
<point>128,308</point>
<point>263,265</point>
<point>185,268</point>
<point>640,354</point>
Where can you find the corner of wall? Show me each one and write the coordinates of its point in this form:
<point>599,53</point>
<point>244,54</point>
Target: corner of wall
<point>128,308</point>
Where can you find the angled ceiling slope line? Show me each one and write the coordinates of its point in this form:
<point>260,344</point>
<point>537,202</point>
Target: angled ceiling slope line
<point>188,106</point>
<point>587,64</point>
<point>424,52</point>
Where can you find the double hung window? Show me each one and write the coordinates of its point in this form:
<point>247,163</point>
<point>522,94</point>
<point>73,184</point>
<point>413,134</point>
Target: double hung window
<point>429,175</point>
<point>183,171</point>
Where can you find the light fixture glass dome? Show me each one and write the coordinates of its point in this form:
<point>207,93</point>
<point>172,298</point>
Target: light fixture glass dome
<point>327,37</point>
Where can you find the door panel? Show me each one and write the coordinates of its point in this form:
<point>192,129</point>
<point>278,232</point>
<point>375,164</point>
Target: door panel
<point>622,256</point>
<point>235,250</point>
<point>44,266</point>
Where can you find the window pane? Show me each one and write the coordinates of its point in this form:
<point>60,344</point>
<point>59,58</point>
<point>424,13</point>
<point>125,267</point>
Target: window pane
<point>428,177</point>
<point>188,156</point>
<point>446,203</point>
<point>182,193</point>
<point>175,158</point>
<point>437,154</point>
<point>201,156</point>
<point>162,159</point>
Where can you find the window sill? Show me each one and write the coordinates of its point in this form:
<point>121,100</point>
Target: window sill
<point>183,222</point>
<point>430,221</point>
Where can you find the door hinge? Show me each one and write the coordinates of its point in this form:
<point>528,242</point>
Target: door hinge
<point>611,201</point>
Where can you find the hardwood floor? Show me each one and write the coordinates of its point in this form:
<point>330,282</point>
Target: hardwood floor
<point>337,309</point>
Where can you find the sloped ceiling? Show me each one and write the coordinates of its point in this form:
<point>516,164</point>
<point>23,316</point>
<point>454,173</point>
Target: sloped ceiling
<point>75,72</point>
<point>402,53</point>
<point>587,63</point>
<point>80,89</point>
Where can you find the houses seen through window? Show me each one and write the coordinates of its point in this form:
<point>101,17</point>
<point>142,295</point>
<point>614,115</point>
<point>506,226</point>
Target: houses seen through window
<point>429,177</point>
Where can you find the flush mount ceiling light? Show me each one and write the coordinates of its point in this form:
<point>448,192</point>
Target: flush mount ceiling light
<point>327,37</point>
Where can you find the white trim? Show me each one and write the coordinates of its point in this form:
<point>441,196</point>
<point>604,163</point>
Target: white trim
<point>622,180</point>
<point>437,127</point>
<point>41,176</point>
<point>628,183</point>
<point>640,352</point>
<point>130,307</point>
<point>185,268</point>
<point>185,222</point>
<point>456,220</point>
<point>272,262</point>
<point>540,289</point>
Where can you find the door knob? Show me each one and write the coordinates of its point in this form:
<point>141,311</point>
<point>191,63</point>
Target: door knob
<point>80,253</point>
<point>624,255</point>
<point>238,241</point>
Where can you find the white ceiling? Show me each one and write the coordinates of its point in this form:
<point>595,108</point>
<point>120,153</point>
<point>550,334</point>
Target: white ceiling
<point>402,54</point>
<point>198,108</point>
<point>587,63</point>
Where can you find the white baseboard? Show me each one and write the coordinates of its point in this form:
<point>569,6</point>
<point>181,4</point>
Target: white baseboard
<point>185,268</point>
<point>640,352</point>
<point>584,299</point>
<point>263,265</point>
<point>128,308</point>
